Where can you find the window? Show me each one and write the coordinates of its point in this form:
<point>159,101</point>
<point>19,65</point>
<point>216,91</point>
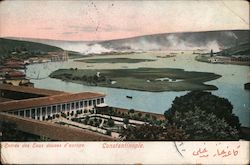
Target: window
<point>38,111</point>
<point>102,100</point>
<point>49,110</point>
<point>43,111</point>
<point>58,108</point>
<point>54,109</point>
<point>22,113</point>
<point>77,104</point>
<point>94,102</point>
<point>90,102</point>
<point>28,113</point>
<point>68,106</point>
<point>81,104</point>
<point>33,111</point>
<point>63,107</point>
<point>98,101</point>
<point>85,103</point>
<point>72,105</point>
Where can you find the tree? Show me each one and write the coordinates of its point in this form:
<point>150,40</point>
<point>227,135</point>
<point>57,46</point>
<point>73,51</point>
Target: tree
<point>147,115</point>
<point>200,125</point>
<point>131,111</point>
<point>9,131</point>
<point>209,103</point>
<point>91,122</point>
<point>153,132</point>
<point>126,121</point>
<point>111,122</point>
<point>139,114</point>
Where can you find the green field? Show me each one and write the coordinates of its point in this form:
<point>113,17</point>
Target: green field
<point>143,79</point>
<point>114,60</point>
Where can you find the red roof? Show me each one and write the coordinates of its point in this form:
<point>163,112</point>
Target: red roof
<point>11,62</point>
<point>16,74</point>
<point>51,100</point>
<point>6,69</point>
<point>23,89</point>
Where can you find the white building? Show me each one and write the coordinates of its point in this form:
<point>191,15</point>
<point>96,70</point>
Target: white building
<point>42,108</point>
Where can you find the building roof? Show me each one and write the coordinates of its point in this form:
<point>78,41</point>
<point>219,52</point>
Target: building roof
<point>6,69</point>
<point>50,100</point>
<point>16,74</point>
<point>2,99</point>
<point>53,131</point>
<point>23,89</point>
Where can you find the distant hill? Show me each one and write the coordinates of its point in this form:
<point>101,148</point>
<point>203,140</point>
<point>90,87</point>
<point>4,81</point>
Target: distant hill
<point>184,40</point>
<point>9,44</point>
<point>216,40</point>
<point>25,48</point>
<point>77,46</point>
<point>241,49</point>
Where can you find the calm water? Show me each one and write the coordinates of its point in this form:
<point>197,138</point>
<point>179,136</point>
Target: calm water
<point>231,84</point>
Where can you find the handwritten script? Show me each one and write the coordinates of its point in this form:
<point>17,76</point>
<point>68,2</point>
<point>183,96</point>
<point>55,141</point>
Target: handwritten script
<point>219,151</point>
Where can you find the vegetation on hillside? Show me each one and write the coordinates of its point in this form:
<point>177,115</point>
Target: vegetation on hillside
<point>23,49</point>
<point>241,49</point>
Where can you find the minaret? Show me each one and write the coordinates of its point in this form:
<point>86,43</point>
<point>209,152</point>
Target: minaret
<point>211,53</point>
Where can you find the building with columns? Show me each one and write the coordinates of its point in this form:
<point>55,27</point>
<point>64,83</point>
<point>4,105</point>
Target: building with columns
<point>43,107</point>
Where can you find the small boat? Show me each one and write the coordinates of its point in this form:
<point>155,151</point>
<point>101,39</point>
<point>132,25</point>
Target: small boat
<point>129,97</point>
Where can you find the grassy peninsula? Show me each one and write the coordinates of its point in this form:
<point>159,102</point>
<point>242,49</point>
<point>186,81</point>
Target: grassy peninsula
<point>114,60</point>
<point>143,79</point>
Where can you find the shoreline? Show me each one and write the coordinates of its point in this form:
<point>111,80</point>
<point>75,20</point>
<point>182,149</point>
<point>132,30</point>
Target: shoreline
<point>202,58</point>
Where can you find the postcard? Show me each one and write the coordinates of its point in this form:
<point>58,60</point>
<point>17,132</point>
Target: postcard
<point>124,82</point>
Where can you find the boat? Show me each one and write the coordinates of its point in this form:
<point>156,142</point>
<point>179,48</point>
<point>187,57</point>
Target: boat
<point>129,97</point>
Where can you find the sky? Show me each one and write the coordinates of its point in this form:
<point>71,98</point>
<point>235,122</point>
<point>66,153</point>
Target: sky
<point>105,20</point>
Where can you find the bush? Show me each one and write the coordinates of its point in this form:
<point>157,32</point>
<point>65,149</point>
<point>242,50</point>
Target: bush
<point>91,122</point>
<point>108,132</point>
<point>111,123</point>
<point>139,114</point>
<point>126,121</point>
<point>64,115</point>
<point>147,115</point>
<point>131,111</point>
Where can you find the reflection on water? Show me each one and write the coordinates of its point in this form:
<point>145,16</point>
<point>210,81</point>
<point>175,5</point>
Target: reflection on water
<point>231,84</point>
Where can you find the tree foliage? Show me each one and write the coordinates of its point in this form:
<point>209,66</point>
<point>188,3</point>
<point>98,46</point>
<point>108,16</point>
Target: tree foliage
<point>200,125</point>
<point>209,103</point>
<point>153,132</point>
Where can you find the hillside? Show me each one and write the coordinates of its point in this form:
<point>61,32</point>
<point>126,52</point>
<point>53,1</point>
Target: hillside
<point>241,49</point>
<point>216,40</point>
<point>23,49</point>
<point>184,40</point>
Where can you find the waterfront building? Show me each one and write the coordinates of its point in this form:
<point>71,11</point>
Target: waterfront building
<point>43,107</point>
